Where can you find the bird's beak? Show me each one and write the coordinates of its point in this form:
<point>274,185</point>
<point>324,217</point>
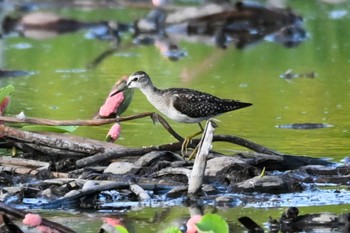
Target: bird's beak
<point>121,87</point>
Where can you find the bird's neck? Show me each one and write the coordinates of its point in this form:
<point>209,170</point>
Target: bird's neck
<point>150,90</point>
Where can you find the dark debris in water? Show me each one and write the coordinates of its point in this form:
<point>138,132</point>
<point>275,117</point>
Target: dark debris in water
<point>13,73</point>
<point>292,221</point>
<point>288,75</point>
<point>304,126</point>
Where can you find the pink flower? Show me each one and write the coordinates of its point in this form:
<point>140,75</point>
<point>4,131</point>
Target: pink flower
<point>113,133</point>
<point>112,221</point>
<point>191,223</point>
<point>158,3</point>
<point>32,220</point>
<point>111,105</point>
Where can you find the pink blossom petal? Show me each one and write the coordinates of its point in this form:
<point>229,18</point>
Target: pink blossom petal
<point>111,104</point>
<point>113,221</point>
<point>191,223</point>
<point>113,133</point>
<point>32,220</point>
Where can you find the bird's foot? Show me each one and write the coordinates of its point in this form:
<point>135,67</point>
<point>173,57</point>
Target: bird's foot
<point>186,143</point>
<point>184,146</point>
<point>193,154</point>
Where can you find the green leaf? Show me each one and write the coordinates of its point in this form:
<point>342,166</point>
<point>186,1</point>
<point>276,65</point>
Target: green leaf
<point>49,128</point>
<point>212,223</point>
<point>121,229</point>
<point>6,91</point>
<point>172,230</point>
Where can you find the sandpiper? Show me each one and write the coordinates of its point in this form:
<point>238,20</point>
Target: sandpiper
<point>181,104</point>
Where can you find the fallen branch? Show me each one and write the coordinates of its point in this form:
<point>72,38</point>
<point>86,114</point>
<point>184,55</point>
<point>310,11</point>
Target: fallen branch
<point>197,174</point>
<point>245,143</point>
<point>60,141</point>
<point>94,122</point>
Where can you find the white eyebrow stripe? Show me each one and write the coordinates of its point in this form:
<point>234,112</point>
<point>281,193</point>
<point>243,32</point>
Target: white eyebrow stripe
<point>132,77</point>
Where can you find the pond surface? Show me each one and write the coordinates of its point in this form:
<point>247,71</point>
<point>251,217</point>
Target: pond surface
<point>61,86</point>
<point>150,220</point>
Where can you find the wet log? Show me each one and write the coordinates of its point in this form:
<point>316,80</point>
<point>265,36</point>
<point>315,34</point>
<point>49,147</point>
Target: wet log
<point>155,155</point>
<point>140,192</point>
<point>23,162</point>
<point>279,162</point>
<point>267,184</point>
<point>173,171</point>
<point>91,188</point>
<point>27,167</point>
<point>320,174</point>
<point>49,140</point>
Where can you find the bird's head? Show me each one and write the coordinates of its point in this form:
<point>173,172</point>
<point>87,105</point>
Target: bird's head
<point>138,79</point>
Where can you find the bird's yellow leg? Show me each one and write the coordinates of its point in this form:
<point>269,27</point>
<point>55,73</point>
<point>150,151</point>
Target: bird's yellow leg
<point>187,141</point>
<point>193,154</point>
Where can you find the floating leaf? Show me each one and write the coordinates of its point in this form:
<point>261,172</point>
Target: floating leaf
<point>121,229</point>
<point>172,230</point>
<point>6,91</point>
<point>49,128</point>
<point>212,223</point>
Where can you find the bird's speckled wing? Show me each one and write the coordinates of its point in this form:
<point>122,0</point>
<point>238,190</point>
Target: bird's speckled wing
<point>197,104</point>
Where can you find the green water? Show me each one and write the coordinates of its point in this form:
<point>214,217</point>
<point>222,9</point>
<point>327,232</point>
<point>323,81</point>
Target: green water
<point>63,88</point>
<point>151,220</point>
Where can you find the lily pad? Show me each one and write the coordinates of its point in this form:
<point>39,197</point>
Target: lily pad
<point>212,223</point>
<point>121,229</point>
<point>172,230</point>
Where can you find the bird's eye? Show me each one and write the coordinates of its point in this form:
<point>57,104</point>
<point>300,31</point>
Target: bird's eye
<point>134,79</point>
